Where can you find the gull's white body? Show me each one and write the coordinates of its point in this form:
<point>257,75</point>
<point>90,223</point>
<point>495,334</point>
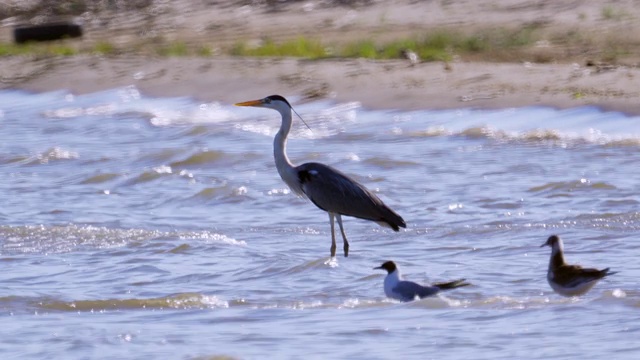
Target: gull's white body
<point>403,290</point>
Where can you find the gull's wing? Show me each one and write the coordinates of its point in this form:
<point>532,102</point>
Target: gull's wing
<point>408,290</point>
<point>573,275</point>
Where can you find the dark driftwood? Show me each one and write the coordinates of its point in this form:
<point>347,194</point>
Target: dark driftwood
<point>46,32</point>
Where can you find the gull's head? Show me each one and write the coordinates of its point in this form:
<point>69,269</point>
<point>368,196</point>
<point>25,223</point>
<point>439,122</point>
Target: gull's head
<point>275,102</point>
<point>390,266</point>
<point>553,241</point>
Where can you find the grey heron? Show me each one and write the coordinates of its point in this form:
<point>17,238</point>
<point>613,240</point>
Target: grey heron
<point>569,280</point>
<point>328,188</point>
<point>403,290</point>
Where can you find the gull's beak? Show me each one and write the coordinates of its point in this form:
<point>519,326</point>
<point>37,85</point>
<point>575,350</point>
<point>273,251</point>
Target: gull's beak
<point>545,244</point>
<point>250,103</point>
<point>377,267</point>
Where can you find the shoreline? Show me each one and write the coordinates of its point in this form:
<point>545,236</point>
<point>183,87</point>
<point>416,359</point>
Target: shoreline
<point>602,34</point>
<point>388,84</point>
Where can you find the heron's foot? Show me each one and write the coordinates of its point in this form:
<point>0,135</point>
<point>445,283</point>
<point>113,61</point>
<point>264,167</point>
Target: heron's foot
<point>346,249</point>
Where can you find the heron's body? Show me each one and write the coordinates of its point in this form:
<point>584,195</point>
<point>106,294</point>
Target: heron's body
<point>328,188</point>
<point>397,288</point>
<point>569,280</point>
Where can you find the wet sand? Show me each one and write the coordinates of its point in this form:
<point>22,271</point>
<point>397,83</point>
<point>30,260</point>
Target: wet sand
<point>377,84</point>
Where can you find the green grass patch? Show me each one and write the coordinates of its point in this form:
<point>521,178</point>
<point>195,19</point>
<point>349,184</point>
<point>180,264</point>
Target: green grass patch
<point>360,49</point>
<point>104,48</point>
<point>299,47</point>
<point>204,51</point>
<point>607,13</point>
<point>495,44</point>
<point>37,49</point>
<point>174,49</point>
<point>438,45</point>
<point>611,13</point>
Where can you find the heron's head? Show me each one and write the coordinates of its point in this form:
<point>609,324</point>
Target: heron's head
<point>553,241</point>
<point>275,102</point>
<point>390,266</point>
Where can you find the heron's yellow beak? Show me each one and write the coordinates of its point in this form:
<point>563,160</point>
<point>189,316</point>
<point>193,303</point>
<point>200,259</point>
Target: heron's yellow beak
<point>250,103</point>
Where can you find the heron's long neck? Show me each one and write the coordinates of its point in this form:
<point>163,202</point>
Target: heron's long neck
<point>283,164</point>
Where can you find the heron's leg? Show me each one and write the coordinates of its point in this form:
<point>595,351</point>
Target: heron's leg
<point>344,236</point>
<point>333,235</point>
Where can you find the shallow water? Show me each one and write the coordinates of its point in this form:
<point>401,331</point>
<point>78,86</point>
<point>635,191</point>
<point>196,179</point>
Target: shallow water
<point>142,227</point>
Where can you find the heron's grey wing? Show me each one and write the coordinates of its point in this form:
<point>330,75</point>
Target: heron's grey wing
<point>409,290</point>
<point>335,192</point>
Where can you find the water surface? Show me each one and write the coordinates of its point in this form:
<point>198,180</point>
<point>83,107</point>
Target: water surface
<point>138,227</point>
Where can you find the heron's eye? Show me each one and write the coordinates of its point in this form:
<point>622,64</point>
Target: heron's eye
<point>267,100</point>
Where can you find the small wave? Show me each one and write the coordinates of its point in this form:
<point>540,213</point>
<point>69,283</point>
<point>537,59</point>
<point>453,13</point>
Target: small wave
<point>501,205</point>
<point>10,159</point>
<point>210,237</point>
<point>309,265</point>
<point>528,302</point>
<point>73,112</point>
<point>437,302</point>
<point>569,186</point>
<point>51,155</point>
<point>276,269</point>
<point>433,131</point>
<point>180,249</point>
<point>532,136</point>
<point>386,163</point>
<point>201,158</point>
<point>100,178</point>
<point>625,221</point>
<point>634,142</point>
<point>535,135</point>
<point>60,239</point>
<point>195,131</point>
<point>349,303</point>
<point>159,156</point>
<point>56,239</point>
<point>204,114</point>
<point>149,175</point>
<point>225,193</point>
<point>210,193</point>
<point>178,301</point>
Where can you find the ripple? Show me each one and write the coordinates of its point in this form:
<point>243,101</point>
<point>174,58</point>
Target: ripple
<point>433,131</point>
<point>147,176</point>
<point>10,159</point>
<point>225,193</point>
<point>160,156</point>
<point>205,157</point>
<point>626,221</point>
<point>51,155</point>
<point>386,163</point>
<point>178,301</point>
<point>532,136</point>
<point>100,178</point>
<point>60,239</point>
<point>569,186</point>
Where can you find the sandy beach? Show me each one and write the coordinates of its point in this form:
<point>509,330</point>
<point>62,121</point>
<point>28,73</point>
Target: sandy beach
<point>575,79</point>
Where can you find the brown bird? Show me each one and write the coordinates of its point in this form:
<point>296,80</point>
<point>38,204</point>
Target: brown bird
<point>569,280</point>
